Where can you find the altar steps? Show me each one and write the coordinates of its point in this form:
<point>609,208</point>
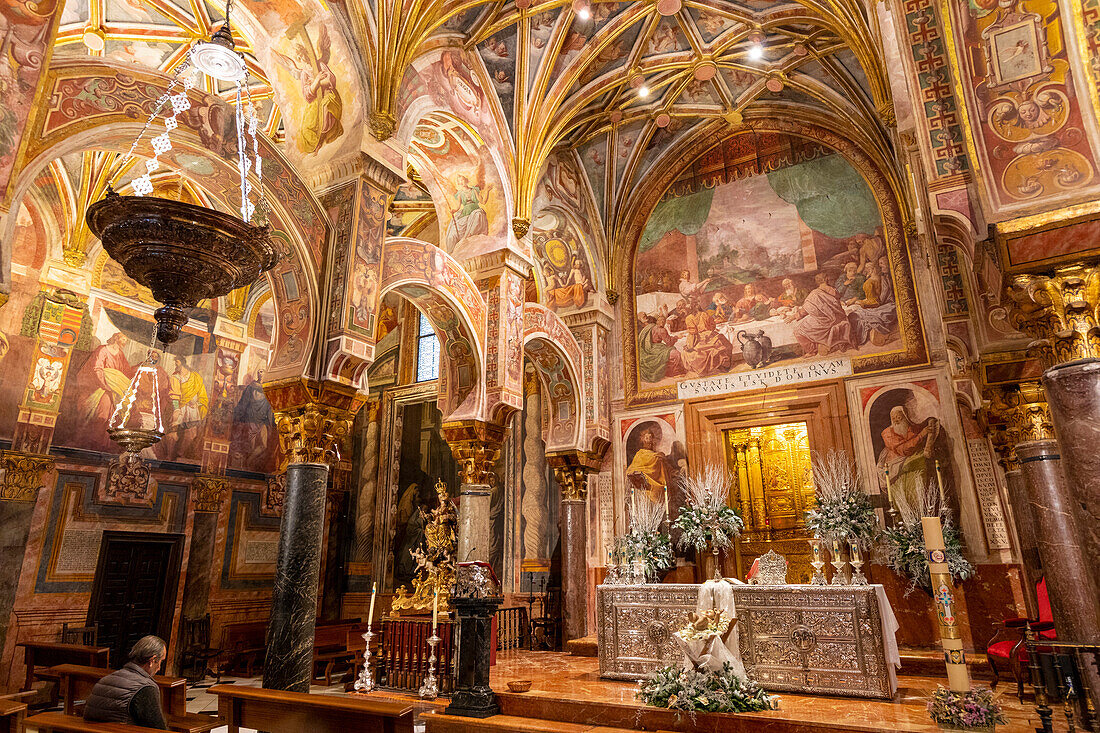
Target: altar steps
<point>586,646</point>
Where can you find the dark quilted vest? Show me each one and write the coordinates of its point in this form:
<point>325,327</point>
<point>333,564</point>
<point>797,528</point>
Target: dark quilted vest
<point>109,701</point>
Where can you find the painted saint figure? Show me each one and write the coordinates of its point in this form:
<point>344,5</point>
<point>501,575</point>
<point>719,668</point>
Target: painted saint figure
<point>321,121</point>
<point>107,375</point>
<point>468,216</point>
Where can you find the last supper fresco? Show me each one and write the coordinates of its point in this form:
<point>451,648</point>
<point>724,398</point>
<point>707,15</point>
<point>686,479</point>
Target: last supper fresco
<point>737,269</point>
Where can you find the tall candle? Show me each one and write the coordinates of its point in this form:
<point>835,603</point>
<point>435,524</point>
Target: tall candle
<point>853,546</point>
<point>667,514</point>
<point>370,615</point>
<point>939,482</point>
<point>435,611</point>
<point>836,549</point>
<point>889,489</point>
<point>816,545</point>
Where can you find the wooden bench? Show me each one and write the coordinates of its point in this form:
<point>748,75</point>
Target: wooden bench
<point>244,644</point>
<point>64,723</point>
<point>333,644</point>
<point>50,654</point>
<point>76,681</point>
<point>12,715</point>
<point>299,712</point>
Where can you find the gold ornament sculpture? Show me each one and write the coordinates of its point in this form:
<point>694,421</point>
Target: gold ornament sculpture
<point>435,560</point>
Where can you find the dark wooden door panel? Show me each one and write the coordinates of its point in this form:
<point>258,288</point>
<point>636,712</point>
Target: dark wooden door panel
<point>135,589</point>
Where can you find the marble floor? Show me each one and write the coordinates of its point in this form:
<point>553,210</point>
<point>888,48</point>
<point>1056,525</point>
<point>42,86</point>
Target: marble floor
<point>568,695</point>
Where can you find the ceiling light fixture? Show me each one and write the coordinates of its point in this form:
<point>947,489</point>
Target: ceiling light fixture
<point>584,13</point>
<point>218,58</point>
<point>756,52</point>
<point>643,91</point>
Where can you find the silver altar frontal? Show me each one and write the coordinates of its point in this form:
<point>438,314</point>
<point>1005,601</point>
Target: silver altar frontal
<point>828,640</point>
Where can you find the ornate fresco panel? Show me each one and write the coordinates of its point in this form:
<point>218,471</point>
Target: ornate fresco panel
<point>768,249</point>
<point>1024,103</point>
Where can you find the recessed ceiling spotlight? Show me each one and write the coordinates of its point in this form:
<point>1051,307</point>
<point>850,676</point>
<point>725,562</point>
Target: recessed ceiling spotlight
<point>756,52</point>
<point>643,91</point>
<point>584,13</point>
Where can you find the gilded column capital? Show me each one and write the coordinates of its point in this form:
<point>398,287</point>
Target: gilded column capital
<point>520,226</point>
<point>571,469</point>
<point>476,447</point>
<point>23,474</point>
<point>1059,310</point>
<point>1023,412</point>
<point>312,433</point>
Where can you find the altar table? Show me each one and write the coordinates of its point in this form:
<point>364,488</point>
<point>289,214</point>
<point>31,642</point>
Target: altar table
<point>816,639</point>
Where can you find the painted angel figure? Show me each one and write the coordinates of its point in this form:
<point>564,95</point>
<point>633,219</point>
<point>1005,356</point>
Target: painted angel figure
<point>322,117</point>
<point>466,200</point>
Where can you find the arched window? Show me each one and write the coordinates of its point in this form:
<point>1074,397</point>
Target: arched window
<point>427,352</point>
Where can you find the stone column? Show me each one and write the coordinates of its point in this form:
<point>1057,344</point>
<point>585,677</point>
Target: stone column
<point>1070,583</point>
<point>571,473</point>
<point>476,448</point>
<point>23,478</point>
<point>311,434</point>
<point>533,505</point>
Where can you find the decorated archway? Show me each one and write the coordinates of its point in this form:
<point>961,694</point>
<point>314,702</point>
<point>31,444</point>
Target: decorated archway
<point>550,347</point>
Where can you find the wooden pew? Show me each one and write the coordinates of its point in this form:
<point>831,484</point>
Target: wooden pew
<point>244,644</point>
<point>299,712</point>
<point>77,680</point>
<point>48,654</point>
<point>331,645</point>
<point>62,723</point>
<point>12,715</point>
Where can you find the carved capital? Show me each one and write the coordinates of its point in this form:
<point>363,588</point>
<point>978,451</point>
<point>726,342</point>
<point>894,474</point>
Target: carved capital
<point>476,447</point>
<point>74,255</point>
<point>1059,310</point>
<point>571,469</point>
<point>382,125</point>
<point>520,226</point>
<point>209,492</point>
<point>312,433</point>
<point>23,474</point>
<point>612,296</point>
<point>1020,411</point>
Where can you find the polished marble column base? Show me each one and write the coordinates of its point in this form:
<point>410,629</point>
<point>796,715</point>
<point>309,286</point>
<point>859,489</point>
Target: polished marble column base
<point>288,664</point>
<point>472,696</point>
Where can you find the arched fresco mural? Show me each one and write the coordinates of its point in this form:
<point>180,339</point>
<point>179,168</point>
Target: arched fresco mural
<point>550,347</point>
<point>104,106</point>
<point>442,290</point>
<point>768,235</point>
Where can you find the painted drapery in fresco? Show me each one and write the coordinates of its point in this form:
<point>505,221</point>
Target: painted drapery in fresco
<point>736,269</point>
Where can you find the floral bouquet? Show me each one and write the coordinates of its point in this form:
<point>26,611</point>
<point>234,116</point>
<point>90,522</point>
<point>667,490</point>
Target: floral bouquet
<point>708,520</point>
<point>904,544</point>
<point>644,540</point>
<point>973,710</point>
<point>706,692</point>
<point>843,512</point>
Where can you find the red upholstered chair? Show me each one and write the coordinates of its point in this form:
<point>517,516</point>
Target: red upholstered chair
<point>1010,651</point>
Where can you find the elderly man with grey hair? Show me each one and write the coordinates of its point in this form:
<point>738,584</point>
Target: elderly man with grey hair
<point>131,695</point>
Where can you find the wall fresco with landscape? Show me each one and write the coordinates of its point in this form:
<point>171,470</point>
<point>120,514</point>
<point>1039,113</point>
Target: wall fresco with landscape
<point>793,261</point>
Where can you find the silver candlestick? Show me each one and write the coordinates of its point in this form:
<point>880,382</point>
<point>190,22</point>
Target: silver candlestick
<point>838,565</point>
<point>365,681</point>
<point>858,578</point>
<point>817,563</point>
<point>430,689</point>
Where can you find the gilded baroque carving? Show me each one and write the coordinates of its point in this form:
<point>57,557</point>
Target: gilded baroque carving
<point>571,471</point>
<point>23,474</point>
<point>520,226</point>
<point>1059,310</point>
<point>382,125</point>
<point>312,433</point>
<point>209,492</point>
<point>476,447</point>
<point>1020,413</point>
